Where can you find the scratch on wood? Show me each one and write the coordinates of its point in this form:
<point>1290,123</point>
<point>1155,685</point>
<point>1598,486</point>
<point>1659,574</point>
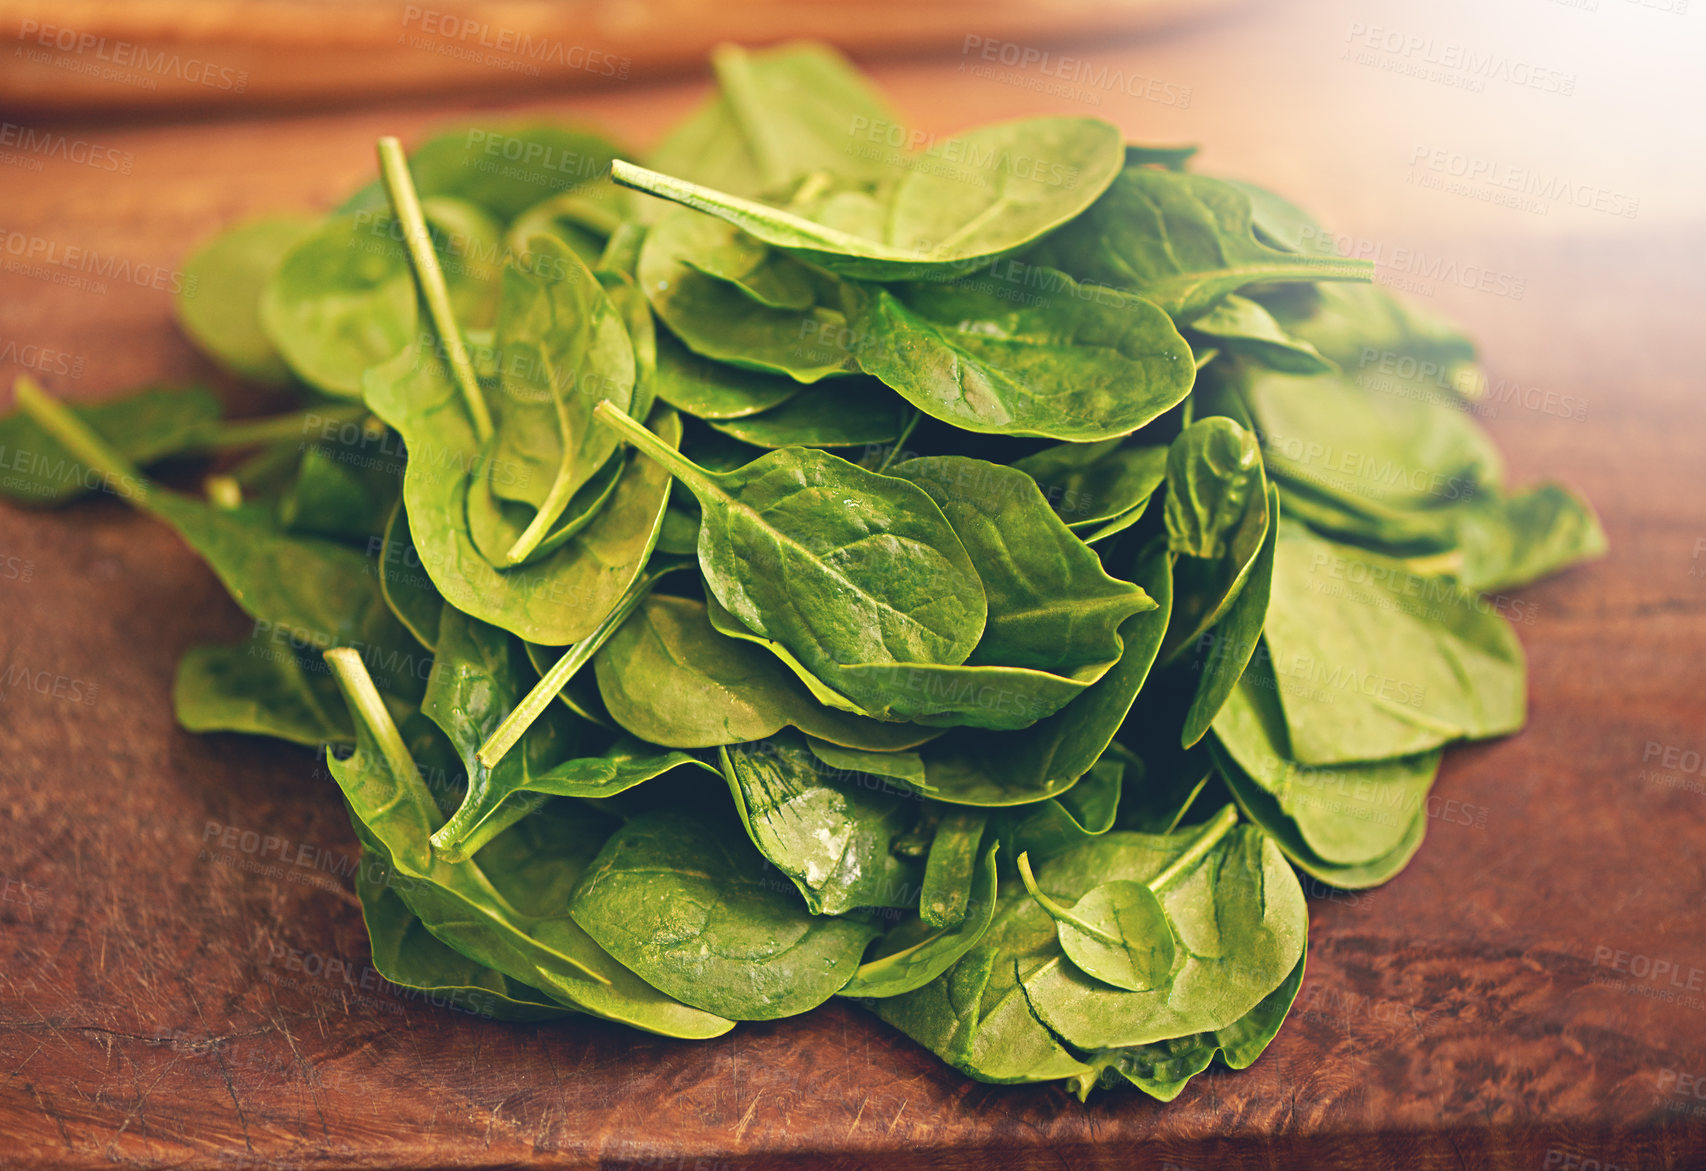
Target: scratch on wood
<point>897,1115</point>
<point>858,1116</point>
<point>746,1119</point>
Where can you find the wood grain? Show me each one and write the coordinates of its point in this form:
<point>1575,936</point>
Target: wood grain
<point>1529,993</point>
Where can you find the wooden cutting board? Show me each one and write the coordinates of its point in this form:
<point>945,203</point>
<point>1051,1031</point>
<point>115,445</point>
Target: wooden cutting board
<point>184,977</point>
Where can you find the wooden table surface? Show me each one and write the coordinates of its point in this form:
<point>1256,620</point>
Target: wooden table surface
<point>1531,992</point>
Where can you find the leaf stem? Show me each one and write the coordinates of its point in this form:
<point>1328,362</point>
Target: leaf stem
<point>650,445</point>
<point>534,703</point>
<point>900,441</point>
<point>81,441</point>
<point>562,485</point>
<point>1215,829</point>
<point>406,205</point>
<point>1055,910</point>
<point>296,425</point>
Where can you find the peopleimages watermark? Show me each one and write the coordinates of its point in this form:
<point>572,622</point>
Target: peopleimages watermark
<point>1413,269</point>
<point>48,682</point>
<point>1062,75</point>
<point>1505,184</point>
<point>1450,63</point>
<point>41,359</point>
<point>73,265</point>
<point>28,149</point>
<point>14,568</point>
<point>457,35</point>
<point>122,61</point>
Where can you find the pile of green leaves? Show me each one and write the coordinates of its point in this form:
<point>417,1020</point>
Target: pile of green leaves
<point>969,582</point>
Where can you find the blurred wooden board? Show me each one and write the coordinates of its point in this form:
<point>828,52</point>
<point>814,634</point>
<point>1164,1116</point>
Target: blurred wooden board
<point>94,55</point>
<point>1527,994</point>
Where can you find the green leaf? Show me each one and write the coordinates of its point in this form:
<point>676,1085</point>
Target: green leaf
<point>831,836</point>
<point>1084,811</point>
<point>1046,759</point>
<point>404,583</point>
<point>689,905</point>
<point>1051,605</point>
<point>554,601</point>
<point>1239,325</point>
<point>1214,471</point>
<point>838,564</point>
<point>503,167</point>
<point>1020,180</point>
<point>1182,241</point>
<point>669,678</point>
<point>1239,917</point>
<point>1093,486</point>
<point>916,952</point>
<point>507,911</point>
<point>1163,1068</point>
<point>143,427</point>
<point>412,958</point>
<point>1117,933</point>
<point>714,319</point>
<point>1374,661</point>
<point>260,688</point>
<point>219,302</point>
<point>949,867</point>
<point>713,390</point>
<point>1224,650</point>
<point>1351,814</point>
<point>1067,362</point>
<point>849,413</point>
<point>778,114</point>
<point>1509,541</point>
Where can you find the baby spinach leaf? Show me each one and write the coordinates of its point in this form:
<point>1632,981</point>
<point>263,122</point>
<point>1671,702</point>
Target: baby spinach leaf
<point>778,114</point>
<point>698,386</point>
<point>1163,1068</point>
<point>917,952</point>
<point>836,563</point>
<point>218,304</point>
<point>1261,808</point>
<point>334,497</point>
<point>1070,362</point>
<point>692,909</point>
<point>849,413</point>
<point>894,765</point>
<point>565,347</point>
<point>1182,241</point>
<point>1239,325</point>
<point>404,583</point>
<point>1240,921</point>
<point>831,836</point>
<point>713,319</point>
<point>1022,180</point>
<point>1224,650</point>
<point>976,1017</point>
<point>507,911</point>
<point>1048,757</point>
<point>1366,448</point>
<point>1051,605</point>
<point>1093,486</point>
<point>1509,541</point>
<point>1214,469</point>
<point>1349,814</point>
<point>554,601</point>
<point>1374,661</point>
<point>503,167</point>
<point>1084,811</point>
<point>143,428</point>
<point>412,958</point>
<point>260,688</point>
<point>669,678</point>
<point>949,867</point>
<point>581,220</point>
<point>1117,933</point>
